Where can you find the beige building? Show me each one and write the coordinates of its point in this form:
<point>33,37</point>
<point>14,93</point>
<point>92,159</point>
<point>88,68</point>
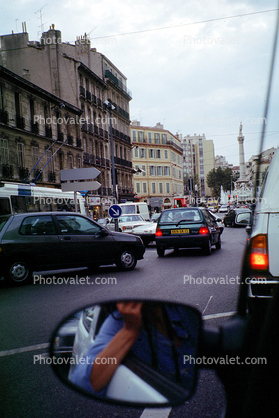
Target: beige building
<point>198,160</point>
<point>80,75</point>
<point>33,125</point>
<point>157,156</point>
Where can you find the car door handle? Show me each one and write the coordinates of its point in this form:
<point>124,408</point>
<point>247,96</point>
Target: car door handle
<point>67,238</point>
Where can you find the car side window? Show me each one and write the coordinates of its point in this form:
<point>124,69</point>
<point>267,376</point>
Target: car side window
<point>38,225</point>
<point>208,218</point>
<point>77,225</point>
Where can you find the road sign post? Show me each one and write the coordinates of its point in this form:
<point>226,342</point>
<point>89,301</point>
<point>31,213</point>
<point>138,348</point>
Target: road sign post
<point>114,212</point>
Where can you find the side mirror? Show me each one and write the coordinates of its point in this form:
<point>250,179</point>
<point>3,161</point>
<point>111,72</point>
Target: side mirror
<point>90,354</point>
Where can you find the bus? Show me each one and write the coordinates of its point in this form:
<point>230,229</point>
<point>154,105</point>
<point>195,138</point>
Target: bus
<point>23,198</point>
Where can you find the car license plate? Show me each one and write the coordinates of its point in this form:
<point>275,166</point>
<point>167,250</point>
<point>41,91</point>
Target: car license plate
<point>180,231</point>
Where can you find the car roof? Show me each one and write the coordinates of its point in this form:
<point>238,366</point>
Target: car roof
<point>18,215</point>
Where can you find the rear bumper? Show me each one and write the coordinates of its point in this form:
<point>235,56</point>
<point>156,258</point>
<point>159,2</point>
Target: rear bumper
<point>190,241</point>
<point>262,287</point>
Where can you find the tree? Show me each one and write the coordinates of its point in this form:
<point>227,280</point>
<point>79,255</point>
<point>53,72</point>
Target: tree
<point>220,177</point>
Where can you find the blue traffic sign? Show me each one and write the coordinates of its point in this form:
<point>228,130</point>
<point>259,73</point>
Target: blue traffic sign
<point>115,211</point>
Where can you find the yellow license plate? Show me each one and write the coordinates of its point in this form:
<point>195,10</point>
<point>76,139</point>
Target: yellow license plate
<point>180,231</point>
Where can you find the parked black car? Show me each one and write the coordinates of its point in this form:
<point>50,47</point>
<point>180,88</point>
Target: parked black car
<point>238,217</point>
<point>187,228</point>
<point>57,240</point>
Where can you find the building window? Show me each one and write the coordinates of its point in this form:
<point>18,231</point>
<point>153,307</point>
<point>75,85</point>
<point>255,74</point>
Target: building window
<point>161,188</point>
<point>167,188</point>
<point>142,153</point>
<point>149,137</point>
<point>153,188</point>
<point>134,136</point>
<point>152,170</point>
<point>143,167</point>
<point>166,154</point>
<point>4,151</point>
<point>166,170</point>
<point>70,159</point>
<point>137,188</point>
<point>78,162</point>
<point>158,153</point>
<point>151,153</point>
<point>49,158</point>
<point>157,138</point>
<point>20,154</point>
<point>159,170</point>
<point>144,188</point>
<point>136,152</point>
<point>140,136</point>
<point>164,138</point>
<point>136,168</point>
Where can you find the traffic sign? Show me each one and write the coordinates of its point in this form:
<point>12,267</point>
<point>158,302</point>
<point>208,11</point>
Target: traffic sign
<point>115,211</point>
<point>79,174</point>
<point>80,185</point>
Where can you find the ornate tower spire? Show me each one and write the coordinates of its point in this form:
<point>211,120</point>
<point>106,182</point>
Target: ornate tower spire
<point>240,138</point>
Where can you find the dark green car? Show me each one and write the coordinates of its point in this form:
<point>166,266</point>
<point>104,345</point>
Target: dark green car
<point>187,228</point>
<point>57,240</point>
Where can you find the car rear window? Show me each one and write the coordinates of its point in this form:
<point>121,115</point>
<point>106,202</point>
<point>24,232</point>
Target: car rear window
<point>3,220</point>
<point>175,216</point>
<point>37,225</point>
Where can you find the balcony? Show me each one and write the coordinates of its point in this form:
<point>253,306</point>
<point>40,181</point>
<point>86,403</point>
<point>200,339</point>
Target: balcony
<point>117,83</point>
<point>7,171</point>
<point>51,177</point>
<point>122,162</point>
<point>70,139</point>
<point>4,118</point>
<point>93,99</point>
<point>23,172</point>
<point>99,102</point>
<point>96,130</point>
<point>37,174</point>
<point>35,128</point>
<point>88,96</point>
<point>60,136</point>
<point>82,92</point>
<point>101,132</point>
<point>48,131</point>
<point>20,122</point>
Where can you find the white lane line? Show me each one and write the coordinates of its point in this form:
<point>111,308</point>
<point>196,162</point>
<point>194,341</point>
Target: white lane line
<point>218,315</point>
<point>156,413</point>
<point>207,304</point>
<point>23,349</point>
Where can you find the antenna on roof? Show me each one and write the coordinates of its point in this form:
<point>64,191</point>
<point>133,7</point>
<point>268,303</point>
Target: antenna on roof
<point>41,20</point>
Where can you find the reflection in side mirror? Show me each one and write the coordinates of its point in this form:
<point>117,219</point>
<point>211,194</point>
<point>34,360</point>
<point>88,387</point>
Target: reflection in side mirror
<point>136,353</point>
<point>243,218</point>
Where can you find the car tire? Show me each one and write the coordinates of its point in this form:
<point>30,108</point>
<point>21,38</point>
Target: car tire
<point>18,273</point>
<point>126,259</point>
<point>160,252</point>
<point>208,248</point>
<point>218,244</point>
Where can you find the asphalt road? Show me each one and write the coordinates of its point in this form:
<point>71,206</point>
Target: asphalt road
<point>30,313</point>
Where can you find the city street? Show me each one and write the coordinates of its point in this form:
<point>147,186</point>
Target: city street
<point>30,313</point>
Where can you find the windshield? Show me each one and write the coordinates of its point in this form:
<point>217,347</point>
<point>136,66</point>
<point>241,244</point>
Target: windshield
<point>130,218</point>
<point>175,216</point>
<point>127,210</point>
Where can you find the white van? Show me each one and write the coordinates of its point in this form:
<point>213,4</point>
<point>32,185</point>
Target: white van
<point>139,208</point>
<point>261,257</point>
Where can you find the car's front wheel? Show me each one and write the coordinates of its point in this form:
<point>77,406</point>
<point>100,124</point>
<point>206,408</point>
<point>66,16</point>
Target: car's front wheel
<point>126,260</point>
<point>18,272</point>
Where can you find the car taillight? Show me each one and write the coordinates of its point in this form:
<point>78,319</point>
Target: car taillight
<point>158,232</point>
<point>259,253</point>
<point>203,230</point>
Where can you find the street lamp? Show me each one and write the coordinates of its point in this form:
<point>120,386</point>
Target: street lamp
<point>110,107</point>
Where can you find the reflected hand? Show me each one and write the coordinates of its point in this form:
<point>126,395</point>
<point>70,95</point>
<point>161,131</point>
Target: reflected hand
<point>131,314</point>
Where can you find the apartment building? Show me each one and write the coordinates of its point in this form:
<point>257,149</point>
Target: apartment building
<point>38,136</point>
<point>87,79</point>
<point>198,160</point>
<point>157,160</point>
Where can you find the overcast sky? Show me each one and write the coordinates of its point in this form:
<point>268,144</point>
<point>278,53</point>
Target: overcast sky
<point>195,66</point>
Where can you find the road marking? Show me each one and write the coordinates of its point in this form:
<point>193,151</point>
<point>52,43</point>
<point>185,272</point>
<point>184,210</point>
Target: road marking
<point>156,413</point>
<point>23,349</point>
<point>207,304</point>
<point>218,315</point>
